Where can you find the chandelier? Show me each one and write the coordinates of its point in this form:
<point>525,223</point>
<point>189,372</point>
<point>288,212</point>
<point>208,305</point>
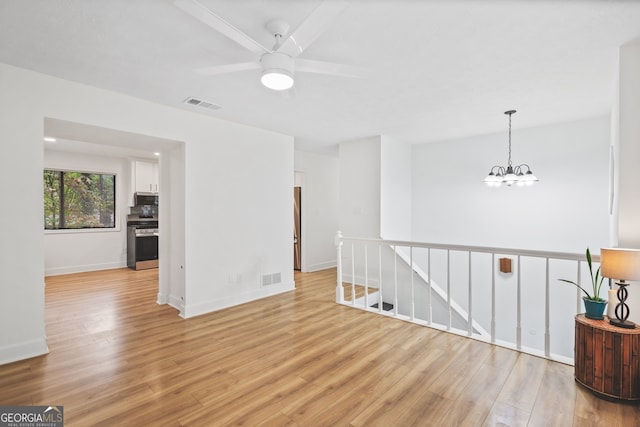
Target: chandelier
<point>511,174</point>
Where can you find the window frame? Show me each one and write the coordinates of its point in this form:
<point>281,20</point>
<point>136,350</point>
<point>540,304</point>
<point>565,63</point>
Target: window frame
<point>116,191</point>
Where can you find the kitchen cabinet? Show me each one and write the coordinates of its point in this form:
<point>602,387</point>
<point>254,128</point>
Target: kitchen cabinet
<point>146,177</point>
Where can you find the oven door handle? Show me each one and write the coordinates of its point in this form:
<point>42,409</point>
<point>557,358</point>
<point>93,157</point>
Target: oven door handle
<point>146,234</point>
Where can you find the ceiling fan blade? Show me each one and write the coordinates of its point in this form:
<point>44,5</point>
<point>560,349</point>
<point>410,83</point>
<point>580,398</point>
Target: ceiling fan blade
<point>314,25</point>
<point>322,67</point>
<point>198,11</point>
<point>229,68</point>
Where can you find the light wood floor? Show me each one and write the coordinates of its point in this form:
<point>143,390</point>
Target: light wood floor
<point>297,359</point>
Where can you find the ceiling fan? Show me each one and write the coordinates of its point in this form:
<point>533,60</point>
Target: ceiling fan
<point>279,63</point>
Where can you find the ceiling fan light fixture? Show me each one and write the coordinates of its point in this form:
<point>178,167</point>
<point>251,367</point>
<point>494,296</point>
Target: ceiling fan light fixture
<point>277,71</point>
<point>277,79</point>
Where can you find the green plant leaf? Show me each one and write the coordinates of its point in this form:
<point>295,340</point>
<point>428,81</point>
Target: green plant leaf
<point>596,280</point>
<point>578,286</point>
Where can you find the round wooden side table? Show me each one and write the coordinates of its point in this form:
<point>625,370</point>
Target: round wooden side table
<point>607,358</point>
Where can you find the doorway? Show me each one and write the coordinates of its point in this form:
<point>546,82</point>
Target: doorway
<point>98,142</point>
<point>297,229</point>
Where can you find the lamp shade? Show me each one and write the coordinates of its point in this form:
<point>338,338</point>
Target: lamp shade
<point>619,263</point>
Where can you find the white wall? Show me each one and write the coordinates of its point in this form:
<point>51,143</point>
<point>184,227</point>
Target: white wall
<point>22,332</point>
<point>171,243</point>
<point>359,166</point>
<point>626,141</point>
<point>70,251</point>
<point>629,147</point>
<point>237,199</point>
<point>566,211</point>
<point>319,208</point>
<point>239,205</point>
<point>395,189</point>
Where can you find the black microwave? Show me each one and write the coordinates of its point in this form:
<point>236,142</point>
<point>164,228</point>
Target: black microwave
<point>141,199</point>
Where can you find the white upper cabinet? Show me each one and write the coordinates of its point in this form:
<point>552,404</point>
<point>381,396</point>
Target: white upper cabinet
<point>147,177</point>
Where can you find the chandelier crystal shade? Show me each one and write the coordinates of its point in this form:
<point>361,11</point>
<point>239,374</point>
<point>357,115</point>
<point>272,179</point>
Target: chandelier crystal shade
<point>509,175</point>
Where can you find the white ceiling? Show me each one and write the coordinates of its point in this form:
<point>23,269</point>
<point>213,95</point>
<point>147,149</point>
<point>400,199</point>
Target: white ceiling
<point>87,139</point>
<point>437,69</point>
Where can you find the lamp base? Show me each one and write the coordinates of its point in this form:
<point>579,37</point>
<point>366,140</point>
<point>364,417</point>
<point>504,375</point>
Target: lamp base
<point>622,323</point>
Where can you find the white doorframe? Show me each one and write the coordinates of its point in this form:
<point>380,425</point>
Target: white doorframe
<point>299,181</point>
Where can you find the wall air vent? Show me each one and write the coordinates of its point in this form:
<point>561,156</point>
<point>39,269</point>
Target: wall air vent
<point>202,104</point>
<point>270,279</point>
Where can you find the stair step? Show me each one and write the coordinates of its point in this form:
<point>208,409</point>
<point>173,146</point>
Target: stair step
<point>385,306</point>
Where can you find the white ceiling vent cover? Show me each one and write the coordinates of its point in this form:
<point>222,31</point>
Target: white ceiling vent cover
<point>200,103</point>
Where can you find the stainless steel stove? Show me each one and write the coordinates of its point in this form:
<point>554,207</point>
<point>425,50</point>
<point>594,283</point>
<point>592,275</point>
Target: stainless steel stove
<point>142,243</point>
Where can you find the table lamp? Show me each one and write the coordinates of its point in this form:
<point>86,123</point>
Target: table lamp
<point>621,264</point>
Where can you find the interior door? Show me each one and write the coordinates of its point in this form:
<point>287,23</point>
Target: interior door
<point>296,228</point>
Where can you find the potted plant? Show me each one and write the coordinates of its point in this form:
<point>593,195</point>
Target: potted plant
<point>593,304</point>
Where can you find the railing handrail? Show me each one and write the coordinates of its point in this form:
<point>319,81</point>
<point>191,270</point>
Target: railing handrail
<point>483,249</point>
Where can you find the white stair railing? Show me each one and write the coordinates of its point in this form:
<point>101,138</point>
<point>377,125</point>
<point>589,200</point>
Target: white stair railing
<point>472,325</point>
<point>477,299</point>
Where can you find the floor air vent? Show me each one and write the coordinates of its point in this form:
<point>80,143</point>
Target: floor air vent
<point>270,279</point>
<point>385,306</point>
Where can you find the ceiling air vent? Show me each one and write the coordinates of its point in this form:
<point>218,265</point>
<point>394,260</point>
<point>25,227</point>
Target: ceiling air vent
<point>200,103</point>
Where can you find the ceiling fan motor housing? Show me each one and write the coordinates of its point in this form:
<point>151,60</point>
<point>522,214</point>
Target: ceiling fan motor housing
<point>277,61</point>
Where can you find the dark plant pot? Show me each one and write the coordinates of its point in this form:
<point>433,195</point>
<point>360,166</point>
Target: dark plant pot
<point>594,309</point>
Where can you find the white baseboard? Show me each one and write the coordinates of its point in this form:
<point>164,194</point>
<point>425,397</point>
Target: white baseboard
<point>162,299</point>
<point>320,266</point>
<point>191,310</point>
<point>23,350</point>
<point>177,303</point>
<point>56,271</point>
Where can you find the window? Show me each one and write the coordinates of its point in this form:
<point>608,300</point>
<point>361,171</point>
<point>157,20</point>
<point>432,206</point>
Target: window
<point>74,200</point>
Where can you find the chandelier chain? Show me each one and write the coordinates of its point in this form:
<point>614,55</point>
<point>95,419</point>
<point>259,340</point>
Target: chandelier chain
<point>510,139</point>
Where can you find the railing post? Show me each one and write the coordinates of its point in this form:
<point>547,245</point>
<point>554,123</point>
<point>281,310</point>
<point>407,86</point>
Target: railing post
<point>493,297</point>
<point>395,280</point>
<point>413,293</point>
<point>547,333</point>
<point>448,290</point>
<point>470,298</point>
<point>579,281</point>
<point>366,277</point>
<point>380,303</point>
<point>339,287</point>
<point>430,285</point>
<point>353,275</point>
<point>519,310</point>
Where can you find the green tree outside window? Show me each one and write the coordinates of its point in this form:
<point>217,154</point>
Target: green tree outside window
<point>74,200</point>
